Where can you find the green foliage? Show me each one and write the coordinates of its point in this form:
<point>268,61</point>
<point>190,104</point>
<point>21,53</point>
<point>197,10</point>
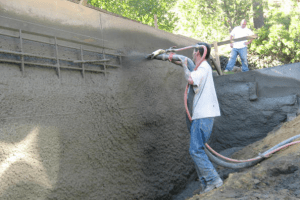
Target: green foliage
<point>279,40</point>
<point>198,19</point>
<point>142,11</point>
<point>204,20</point>
<point>235,10</point>
<point>211,20</point>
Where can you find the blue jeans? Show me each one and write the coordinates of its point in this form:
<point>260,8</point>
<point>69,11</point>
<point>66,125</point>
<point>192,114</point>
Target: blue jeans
<point>243,55</point>
<point>200,133</point>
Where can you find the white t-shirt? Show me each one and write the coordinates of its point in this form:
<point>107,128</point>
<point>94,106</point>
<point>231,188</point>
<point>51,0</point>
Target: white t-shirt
<point>205,100</point>
<point>239,32</point>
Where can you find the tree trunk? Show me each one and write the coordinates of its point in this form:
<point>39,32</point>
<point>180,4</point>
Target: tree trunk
<point>258,14</point>
<point>155,21</point>
<point>83,2</point>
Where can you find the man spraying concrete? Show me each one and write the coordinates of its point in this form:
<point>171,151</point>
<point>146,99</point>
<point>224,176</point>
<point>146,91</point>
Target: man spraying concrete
<point>203,99</point>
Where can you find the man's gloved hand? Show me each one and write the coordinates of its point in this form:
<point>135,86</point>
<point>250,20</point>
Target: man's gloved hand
<point>171,49</point>
<point>155,53</point>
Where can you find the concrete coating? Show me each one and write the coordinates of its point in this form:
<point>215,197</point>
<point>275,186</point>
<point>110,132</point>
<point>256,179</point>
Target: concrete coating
<point>253,103</point>
<point>110,137</point>
<point>123,135</point>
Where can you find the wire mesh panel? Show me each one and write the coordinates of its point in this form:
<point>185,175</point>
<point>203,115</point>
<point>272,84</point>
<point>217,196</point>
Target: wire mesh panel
<point>40,50</point>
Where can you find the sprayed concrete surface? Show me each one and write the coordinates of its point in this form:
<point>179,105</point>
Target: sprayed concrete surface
<point>121,135</point>
<point>89,139</point>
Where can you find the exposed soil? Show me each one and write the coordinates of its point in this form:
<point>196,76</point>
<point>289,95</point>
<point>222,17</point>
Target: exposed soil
<point>277,177</point>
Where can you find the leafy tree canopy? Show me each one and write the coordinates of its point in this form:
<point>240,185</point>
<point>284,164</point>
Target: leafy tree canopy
<point>142,10</point>
<point>211,20</point>
<point>279,40</point>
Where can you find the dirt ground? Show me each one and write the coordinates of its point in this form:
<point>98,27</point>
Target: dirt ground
<point>277,177</point>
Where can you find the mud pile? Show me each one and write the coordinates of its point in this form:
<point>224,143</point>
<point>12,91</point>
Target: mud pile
<point>277,177</point>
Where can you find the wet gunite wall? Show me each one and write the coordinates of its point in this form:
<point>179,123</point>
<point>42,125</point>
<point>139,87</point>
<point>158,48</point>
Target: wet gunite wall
<point>113,132</point>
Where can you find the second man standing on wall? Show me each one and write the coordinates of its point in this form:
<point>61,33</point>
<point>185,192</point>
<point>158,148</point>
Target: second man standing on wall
<point>239,48</point>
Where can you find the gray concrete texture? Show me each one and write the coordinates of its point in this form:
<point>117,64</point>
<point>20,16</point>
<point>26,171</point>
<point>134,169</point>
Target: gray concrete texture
<point>253,103</point>
<point>121,135</point>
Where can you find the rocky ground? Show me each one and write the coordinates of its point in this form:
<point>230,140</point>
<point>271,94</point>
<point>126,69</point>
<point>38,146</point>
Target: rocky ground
<point>277,177</point>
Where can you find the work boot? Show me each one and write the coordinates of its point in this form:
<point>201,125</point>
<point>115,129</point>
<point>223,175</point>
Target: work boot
<point>199,190</point>
<point>236,69</point>
<point>217,183</point>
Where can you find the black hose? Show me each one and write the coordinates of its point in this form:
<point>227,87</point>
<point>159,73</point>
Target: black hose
<point>281,144</point>
<point>223,163</point>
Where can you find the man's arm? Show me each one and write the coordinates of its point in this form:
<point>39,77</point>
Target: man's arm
<point>187,64</point>
<point>172,57</point>
<point>249,33</point>
<point>187,72</point>
<point>248,42</point>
